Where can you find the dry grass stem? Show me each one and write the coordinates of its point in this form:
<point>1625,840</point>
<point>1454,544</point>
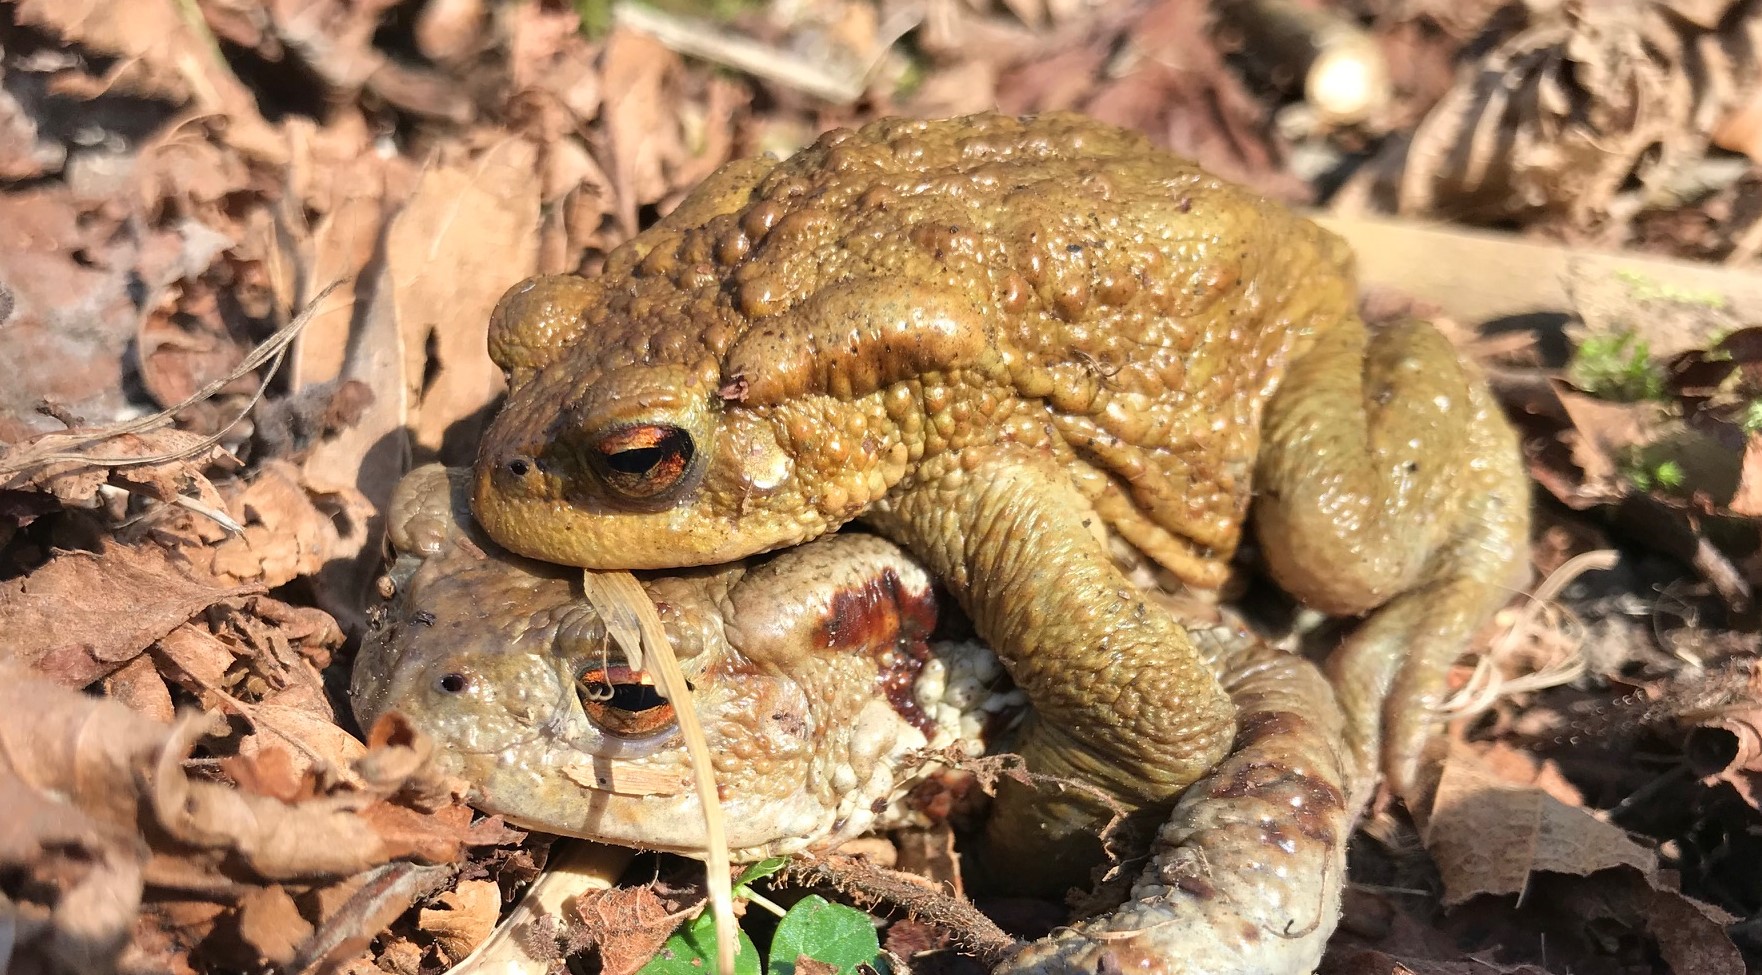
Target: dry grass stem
<point>58,448</point>
<point>631,620</point>
<point>1542,630</point>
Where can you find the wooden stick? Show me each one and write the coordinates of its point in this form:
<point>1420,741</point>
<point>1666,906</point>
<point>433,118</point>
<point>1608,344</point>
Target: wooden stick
<point>1479,275</point>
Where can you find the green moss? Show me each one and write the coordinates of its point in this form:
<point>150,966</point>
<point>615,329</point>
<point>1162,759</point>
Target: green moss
<point>1645,289</point>
<point>596,17</point>
<point>1751,420</point>
<point>1666,477</point>
<point>1616,366</point>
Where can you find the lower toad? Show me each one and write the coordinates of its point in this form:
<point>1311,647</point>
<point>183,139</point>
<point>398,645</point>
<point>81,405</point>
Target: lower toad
<point>818,684</point>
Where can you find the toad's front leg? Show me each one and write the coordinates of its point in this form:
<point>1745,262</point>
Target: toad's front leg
<point>1122,700</point>
<point>1245,877</point>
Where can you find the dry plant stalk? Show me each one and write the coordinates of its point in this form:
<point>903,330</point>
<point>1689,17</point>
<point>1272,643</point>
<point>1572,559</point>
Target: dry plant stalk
<point>1542,621</point>
<point>632,621</point>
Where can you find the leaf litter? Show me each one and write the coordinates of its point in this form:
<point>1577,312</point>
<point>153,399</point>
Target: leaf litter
<point>188,530</point>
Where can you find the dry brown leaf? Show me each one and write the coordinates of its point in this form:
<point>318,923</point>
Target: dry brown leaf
<point>358,468</point>
<point>268,772</point>
<point>198,661</point>
<point>446,30</point>
<point>1692,936</point>
<point>1490,837</point>
<point>547,52</point>
<point>286,535</point>
<point>312,742</point>
<point>83,615</point>
<point>1606,430</point>
<point>627,924</point>
<point>1163,74</point>
<point>1748,499</point>
<point>465,917</point>
<point>1573,105</point>
<point>116,767</point>
<point>271,924</point>
<point>353,199</point>
<point>639,74</point>
<point>79,911</point>
<point>930,853</point>
<point>23,155</point>
<point>468,232</point>
<point>161,53</point>
<point>58,464</point>
<point>184,344</point>
<point>138,685</point>
<point>1741,129</point>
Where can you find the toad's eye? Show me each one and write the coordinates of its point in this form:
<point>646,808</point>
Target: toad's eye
<point>645,462</point>
<point>623,704</point>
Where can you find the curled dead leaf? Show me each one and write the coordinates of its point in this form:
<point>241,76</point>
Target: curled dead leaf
<point>1572,105</point>
<point>465,917</point>
<point>1490,836</point>
<point>84,615</point>
<point>271,924</point>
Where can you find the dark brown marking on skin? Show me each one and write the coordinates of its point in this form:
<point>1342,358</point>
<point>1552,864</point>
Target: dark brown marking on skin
<point>1257,726</point>
<point>1196,887</point>
<point>1125,957</point>
<point>881,618</point>
<point>1310,799</point>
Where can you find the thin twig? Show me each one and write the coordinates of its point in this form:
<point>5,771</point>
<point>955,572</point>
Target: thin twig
<point>57,448</point>
<point>870,884</point>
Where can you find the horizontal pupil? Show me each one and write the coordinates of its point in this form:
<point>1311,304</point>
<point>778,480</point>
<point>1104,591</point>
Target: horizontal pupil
<point>638,461</point>
<point>635,698</point>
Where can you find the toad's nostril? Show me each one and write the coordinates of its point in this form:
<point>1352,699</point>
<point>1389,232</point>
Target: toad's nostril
<point>519,467</point>
<point>454,683</point>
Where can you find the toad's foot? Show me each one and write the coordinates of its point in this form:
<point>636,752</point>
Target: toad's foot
<point>1245,877</point>
<point>1123,701</point>
<point>1390,484</point>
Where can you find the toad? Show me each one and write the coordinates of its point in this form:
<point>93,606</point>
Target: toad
<point>999,341</point>
<point>821,692</point>
<point>817,684</point>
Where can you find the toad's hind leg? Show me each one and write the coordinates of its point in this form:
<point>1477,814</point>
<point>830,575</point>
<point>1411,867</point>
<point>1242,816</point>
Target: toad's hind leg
<point>1389,484</point>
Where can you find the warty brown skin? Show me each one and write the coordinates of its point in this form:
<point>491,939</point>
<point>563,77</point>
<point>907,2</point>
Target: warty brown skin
<point>787,657</point>
<point>992,338</point>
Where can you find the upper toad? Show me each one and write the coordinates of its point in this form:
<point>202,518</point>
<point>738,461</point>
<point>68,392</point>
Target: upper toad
<point>991,338</point>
